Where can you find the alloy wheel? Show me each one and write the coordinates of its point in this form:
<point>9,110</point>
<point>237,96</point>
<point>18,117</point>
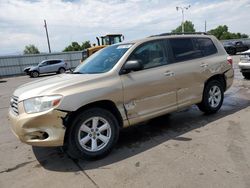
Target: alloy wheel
<point>94,134</point>
<point>214,96</point>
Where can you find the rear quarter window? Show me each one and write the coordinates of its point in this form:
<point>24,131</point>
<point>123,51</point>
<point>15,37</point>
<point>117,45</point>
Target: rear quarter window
<point>207,46</point>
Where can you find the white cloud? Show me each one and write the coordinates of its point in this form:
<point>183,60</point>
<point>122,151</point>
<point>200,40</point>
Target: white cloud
<point>21,22</point>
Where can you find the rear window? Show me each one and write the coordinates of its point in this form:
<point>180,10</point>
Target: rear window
<point>183,49</point>
<point>207,46</point>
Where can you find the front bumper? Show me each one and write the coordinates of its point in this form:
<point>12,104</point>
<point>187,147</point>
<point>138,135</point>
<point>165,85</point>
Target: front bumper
<point>38,129</point>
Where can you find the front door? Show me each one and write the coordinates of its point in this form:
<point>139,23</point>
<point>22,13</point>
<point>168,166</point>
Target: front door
<point>150,91</point>
<point>44,67</point>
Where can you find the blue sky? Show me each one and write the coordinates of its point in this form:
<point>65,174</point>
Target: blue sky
<point>21,22</point>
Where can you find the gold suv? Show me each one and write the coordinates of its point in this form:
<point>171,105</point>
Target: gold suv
<point>119,86</point>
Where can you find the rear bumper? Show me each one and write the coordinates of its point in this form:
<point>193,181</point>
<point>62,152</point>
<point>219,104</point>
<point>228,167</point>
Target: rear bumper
<point>229,77</point>
<point>39,129</point>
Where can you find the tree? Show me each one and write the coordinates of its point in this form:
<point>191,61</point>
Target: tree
<point>188,27</point>
<point>222,33</point>
<point>31,49</point>
<point>86,45</point>
<point>74,46</point>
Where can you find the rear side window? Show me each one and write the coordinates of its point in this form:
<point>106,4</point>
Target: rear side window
<point>207,46</point>
<point>54,62</point>
<point>184,49</point>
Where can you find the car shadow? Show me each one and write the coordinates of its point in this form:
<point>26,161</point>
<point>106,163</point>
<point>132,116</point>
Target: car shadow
<point>44,75</point>
<point>140,138</point>
<point>3,81</point>
<point>50,74</point>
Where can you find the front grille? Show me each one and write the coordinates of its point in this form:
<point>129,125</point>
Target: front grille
<point>14,104</point>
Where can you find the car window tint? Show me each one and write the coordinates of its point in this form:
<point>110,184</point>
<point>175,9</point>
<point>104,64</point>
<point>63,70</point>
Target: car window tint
<point>150,55</point>
<point>207,46</point>
<point>53,62</point>
<point>183,49</point>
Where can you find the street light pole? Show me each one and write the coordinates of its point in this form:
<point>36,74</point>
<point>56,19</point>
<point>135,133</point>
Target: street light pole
<point>45,25</point>
<point>205,26</point>
<point>182,11</point>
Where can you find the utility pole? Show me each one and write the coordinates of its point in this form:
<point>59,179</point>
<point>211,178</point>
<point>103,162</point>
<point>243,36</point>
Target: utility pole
<point>45,25</point>
<point>205,26</point>
<point>182,11</point>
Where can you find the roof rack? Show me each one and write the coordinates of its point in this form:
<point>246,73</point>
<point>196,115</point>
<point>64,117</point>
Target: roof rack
<point>185,33</point>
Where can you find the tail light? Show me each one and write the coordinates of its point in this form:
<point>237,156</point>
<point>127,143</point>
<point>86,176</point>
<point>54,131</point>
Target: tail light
<point>230,60</point>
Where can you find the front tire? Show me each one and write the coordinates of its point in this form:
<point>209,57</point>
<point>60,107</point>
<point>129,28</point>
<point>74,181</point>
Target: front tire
<point>34,74</point>
<point>213,96</point>
<point>92,135</point>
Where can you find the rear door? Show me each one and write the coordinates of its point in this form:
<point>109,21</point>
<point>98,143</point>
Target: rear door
<point>55,65</point>
<point>151,91</point>
<point>188,67</point>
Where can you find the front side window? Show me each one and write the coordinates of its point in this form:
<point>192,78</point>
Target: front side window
<point>103,60</point>
<point>183,49</point>
<point>150,55</point>
<point>43,63</point>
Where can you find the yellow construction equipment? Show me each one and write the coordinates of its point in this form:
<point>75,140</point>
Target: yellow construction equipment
<point>102,42</point>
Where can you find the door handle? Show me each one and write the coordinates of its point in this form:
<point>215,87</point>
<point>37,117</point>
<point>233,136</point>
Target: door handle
<point>204,65</point>
<point>169,73</point>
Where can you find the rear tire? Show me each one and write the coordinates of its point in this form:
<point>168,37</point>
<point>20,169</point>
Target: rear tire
<point>246,75</point>
<point>92,134</point>
<point>34,74</point>
<point>61,70</point>
<point>213,96</point>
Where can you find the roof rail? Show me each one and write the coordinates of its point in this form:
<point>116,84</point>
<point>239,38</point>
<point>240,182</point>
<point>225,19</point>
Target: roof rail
<point>185,33</point>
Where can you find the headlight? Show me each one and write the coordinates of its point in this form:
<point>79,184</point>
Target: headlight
<point>40,104</point>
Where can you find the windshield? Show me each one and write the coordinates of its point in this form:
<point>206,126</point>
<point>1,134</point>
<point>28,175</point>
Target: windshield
<point>103,60</point>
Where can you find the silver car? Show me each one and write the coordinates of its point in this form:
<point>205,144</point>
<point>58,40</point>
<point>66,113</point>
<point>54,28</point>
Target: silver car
<point>244,64</point>
<point>47,66</point>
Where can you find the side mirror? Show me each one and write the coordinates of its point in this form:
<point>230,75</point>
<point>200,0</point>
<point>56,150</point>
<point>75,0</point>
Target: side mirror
<point>132,65</point>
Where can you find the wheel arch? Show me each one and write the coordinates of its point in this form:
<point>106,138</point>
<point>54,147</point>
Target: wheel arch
<point>104,104</point>
<point>219,77</point>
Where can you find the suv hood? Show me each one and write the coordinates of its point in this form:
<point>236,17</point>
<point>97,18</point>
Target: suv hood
<point>53,85</point>
<point>28,68</point>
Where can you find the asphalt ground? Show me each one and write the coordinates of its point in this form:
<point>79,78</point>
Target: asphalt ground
<point>182,149</point>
